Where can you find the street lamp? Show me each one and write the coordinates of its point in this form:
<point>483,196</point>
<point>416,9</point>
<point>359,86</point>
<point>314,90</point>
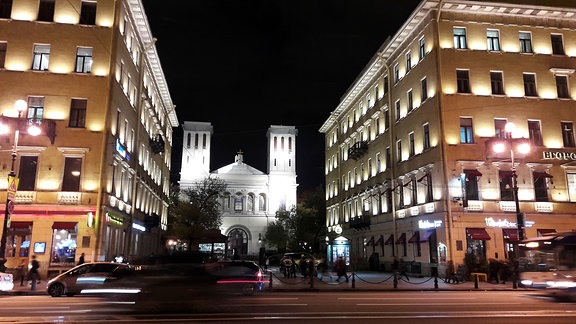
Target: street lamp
<point>497,147</point>
<point>20,106</point>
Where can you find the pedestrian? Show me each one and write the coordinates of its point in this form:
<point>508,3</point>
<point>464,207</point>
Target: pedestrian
<point>323,271</point>
<point>451,273</point>
<point>22,270</point>
<point>398,269</point>
<point>81,259</point>
<point>34,274</point>
<point>340,269</point>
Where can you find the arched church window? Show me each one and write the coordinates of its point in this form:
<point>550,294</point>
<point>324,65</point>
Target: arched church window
<point>262,202</point>
<point>204,141</point>
<point>250,203</point>
<point>188,140</point>
<point>196,141</point>
<point>238,202</point>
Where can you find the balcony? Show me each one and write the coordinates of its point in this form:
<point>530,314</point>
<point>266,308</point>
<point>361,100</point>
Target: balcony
<point>360,222</point>
<point>157,144</point>
<point>357,150</point>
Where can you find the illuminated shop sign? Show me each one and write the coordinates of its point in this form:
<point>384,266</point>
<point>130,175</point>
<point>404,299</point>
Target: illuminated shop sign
<point>491,222</point>
<point>548,155</point>
<point>425,224</point>
<point>138,227</point>
<point>114,219</point>
<point>121,150</point>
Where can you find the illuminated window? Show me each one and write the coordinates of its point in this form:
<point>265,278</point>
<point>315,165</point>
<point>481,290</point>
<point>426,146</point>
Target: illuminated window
<point>493,40</point>
<point>500,128</point>
<point>525,42</point>
<point>41,57</point>
<point>83,60</point>
<point>530,85</point>
<point>557,44</point>
<point>35,109</point>
<point>496,83</point>
<point>466,131</point>
<point>460,38</point>
<point>463,81</point>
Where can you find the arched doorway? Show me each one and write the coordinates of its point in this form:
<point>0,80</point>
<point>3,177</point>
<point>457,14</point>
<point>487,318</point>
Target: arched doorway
<point>238,240</point>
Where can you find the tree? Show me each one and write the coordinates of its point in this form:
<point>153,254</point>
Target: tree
<point>194,210</point>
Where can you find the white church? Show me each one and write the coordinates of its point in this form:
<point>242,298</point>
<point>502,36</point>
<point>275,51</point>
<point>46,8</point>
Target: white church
<point>252,197</point>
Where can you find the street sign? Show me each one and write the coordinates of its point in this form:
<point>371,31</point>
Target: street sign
<point>12,187</point>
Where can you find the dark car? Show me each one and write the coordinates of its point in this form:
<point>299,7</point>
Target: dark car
<point>91,275</point>
<point>237,276</point>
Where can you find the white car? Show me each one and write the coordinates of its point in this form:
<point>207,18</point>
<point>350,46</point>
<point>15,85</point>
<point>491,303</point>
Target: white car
<point>6,281</point>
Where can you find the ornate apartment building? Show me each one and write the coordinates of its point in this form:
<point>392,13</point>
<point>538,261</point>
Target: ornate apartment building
<point>252,197</point>
<point>97,178</point>
<point>410,168</point>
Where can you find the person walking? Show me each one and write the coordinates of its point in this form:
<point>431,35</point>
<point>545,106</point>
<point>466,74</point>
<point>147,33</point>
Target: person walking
<point>340,269</point>
<point>34,274</point>
<point>81,259</point>
<point>22,270</point>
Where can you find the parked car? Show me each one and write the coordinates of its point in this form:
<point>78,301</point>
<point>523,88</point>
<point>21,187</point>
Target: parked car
<point>86,276</point>
<point>6,281</point>
<point>237,276</point>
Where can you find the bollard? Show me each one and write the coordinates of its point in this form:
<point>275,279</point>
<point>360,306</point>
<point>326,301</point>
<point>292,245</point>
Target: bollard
<point>395,280</point>
<point>270,284</point>
<point>353,280</point>
<point>436,281</point>
<point>514,282</point>
<point>476,281</point>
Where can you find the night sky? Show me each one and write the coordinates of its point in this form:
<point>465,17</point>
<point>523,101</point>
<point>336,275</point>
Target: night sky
<point>244,65</point>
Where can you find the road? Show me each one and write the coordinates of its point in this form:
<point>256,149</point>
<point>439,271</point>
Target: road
<point>291,307</point>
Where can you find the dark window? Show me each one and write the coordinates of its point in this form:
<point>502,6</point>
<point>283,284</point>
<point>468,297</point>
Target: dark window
<point>386,119</point>
<point>557,44</point>
<point>3,46</point>
<point>408,62</point>
<point>388,158</point>
<point>412,149</point>
<point>421,49</point>
<point>460,38</point>
<point>525,42</point>
<point>397,110</point>
<point>506,185</point>
<point>27,173</point>
<point>83,60</point>
<point>568,134</point>
<point>410,101</point>
<point>500,128</point>
<point>562,86</point>
<point>399,151</point>
<point>46,10</point>
<point>385,84</point>
<point>429,194</point>
<point>471,184</point>
<point>88,13</point>
<point>463,81</point>
<point>78,113</point>
<point>426,136</point>
<point>423,90</point>
<point>5,8</point>
<point>396,73</point>
<point>540,186</point>
<point>496,83</point>
<point>72,173</point>
<point>535,133</point>
<point>530,85</point>
<point>466,131</point>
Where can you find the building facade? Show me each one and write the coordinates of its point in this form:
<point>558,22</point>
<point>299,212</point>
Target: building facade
<point>410,170</point>
<point>253,197</point>
<point>97,178</point>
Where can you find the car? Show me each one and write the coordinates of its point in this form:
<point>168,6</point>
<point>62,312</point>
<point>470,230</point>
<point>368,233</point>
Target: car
<point>6,281</point>
<point>243,276</point>
<point>90,275</point>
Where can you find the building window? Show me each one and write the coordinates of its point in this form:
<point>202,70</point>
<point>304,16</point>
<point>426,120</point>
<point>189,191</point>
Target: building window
<point>466,131</point>
<point>500,128</point>
<point>78,113</point>
<point>535,133</point>
<point>399,151</point>
<point>496,83</point>
<point>463,81</point>
<point>5,8</point>
<point>388,158</point>
<point>541,185</point>
<point>423,90</point>
<point>397,105</point>
<point>396,73</point>
<point>470,184</point>
<point>562,86</point>
<point>525,42</point>
<point>88,13</point>
<point>421,49</point>
<point>41,57</point>
<point>506,189</point>
<point>493,39</point>
<point>27,173</point>
<point>460,38</point>
<point>412,150</point>
<point>46,10</point>
<point>376,93</point>
<point>83,60</point>
<point>72,173</point>
<point>557,44</point>
<point>35,111</point>
<point>426,130</point>
<point>3,46</point>
<point>408,62</point>
<point>378,163</point>
<point>385,84</point>
<point>386,119</point>
<point>410,100</point>
<point>568,134</point>
<point>530,85</point>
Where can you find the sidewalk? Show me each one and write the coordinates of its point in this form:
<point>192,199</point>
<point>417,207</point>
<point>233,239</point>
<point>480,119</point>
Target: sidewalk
<point>27,289</point>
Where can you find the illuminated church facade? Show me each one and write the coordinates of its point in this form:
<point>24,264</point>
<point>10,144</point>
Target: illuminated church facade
<point>252,196</point>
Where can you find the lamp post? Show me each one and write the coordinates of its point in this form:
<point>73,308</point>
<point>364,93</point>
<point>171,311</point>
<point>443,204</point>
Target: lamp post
<point>513,146</point>
<point>20,106</point>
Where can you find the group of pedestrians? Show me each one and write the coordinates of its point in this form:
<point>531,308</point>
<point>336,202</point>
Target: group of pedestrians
<point>28,271</point>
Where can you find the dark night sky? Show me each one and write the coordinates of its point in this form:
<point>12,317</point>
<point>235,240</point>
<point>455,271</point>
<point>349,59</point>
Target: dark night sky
<point>244,65</point>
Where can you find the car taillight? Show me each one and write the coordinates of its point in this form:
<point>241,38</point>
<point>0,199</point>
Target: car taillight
<point>259,275</point>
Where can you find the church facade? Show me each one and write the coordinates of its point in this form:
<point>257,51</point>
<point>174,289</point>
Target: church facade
<point>252,196</point>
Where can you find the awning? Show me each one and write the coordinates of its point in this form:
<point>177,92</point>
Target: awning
<point>541,175</point>
<point>380,241</point>
<point>510,234</point>
<point>545,231</point>
<point>390,240</point>
<point>401,239</point>
<point>415,237</point>
<point>472,173</point>
<point>370,241</point>
<point>427,235</point>
<point>20,224</point>
<point>64,225</point>
<point>477,233</point>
